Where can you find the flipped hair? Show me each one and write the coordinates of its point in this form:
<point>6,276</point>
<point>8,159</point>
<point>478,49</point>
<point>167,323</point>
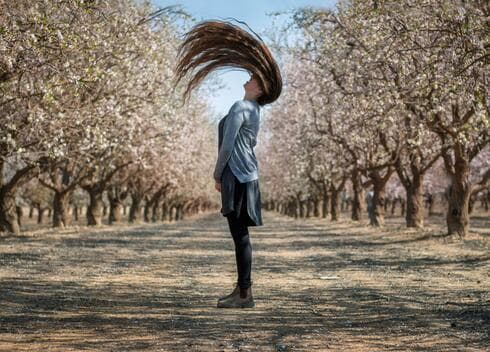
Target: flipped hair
<point>210,45</point>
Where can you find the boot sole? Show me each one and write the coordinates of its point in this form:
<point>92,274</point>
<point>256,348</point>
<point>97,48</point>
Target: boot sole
<point>250,304</point>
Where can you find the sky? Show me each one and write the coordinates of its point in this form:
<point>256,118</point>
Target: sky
<point>254,13</point>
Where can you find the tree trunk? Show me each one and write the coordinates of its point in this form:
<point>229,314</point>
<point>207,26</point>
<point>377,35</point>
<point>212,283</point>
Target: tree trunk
<point>164,216</point>
<point>325,201</point>
<point>171,212</point>
<point>153,206</point>
<point>379,184</point>
<point>75,213</point>
<point>334,204</point>
<point>135,209</point>
<point>174,213</point>
<point>308,208</point>
<point>156,211</point>
<point>316,207</point>
<point>301,209</point>
<point>179,213</point>
<point>40,214</point>
<point>378,201</point>
<point>20,213</point>
<point>8,211</point>
<point>393,205</point>
<point>414,215</point>
<point>472,202</point>
<point>335,192</point>
<point>378,218</point>
<point>116,198</point>
<point>357,196</point>
<point>115,211</point>
<point>457,216</point>
<point>95,208</point>
<point>430,205</point>
<point>146,212</point>
<point>61,200</point>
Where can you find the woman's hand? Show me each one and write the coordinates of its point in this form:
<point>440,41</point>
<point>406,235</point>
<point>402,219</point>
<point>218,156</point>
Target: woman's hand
<point>217,185</point>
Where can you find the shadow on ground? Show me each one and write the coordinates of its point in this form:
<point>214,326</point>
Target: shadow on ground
<point>318,286</point>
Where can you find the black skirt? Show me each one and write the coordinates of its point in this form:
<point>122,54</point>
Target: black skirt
<point>240,199</point>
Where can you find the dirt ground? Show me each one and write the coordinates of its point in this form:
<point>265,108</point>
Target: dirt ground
<point>317,285</point>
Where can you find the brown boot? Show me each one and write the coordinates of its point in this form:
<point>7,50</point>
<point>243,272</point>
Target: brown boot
<point>235,292</point>
<point>242,300</point>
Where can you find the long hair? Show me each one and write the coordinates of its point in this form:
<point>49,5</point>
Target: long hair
<point>210,45</point>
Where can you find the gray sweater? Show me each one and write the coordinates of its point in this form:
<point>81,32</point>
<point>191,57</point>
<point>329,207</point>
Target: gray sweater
<point>237,133</point>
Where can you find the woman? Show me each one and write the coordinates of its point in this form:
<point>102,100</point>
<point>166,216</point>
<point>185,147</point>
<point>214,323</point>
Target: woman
<point>206,47</point>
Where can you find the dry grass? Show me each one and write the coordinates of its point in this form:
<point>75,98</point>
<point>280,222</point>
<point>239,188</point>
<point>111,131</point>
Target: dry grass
<point>318,286</point>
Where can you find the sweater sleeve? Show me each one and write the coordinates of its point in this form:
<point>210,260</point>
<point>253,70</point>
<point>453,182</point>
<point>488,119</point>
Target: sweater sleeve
<point>230,130</point>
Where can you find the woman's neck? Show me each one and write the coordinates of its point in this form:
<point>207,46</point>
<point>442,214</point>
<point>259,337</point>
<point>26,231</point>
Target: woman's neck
<point>250,97</point>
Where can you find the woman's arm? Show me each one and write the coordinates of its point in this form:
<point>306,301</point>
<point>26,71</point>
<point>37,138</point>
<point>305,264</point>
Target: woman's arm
<point>230,130</point>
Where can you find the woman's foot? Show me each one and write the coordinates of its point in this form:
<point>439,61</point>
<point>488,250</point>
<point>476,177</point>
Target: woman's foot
<point>236,291</point>
<point>242,300</point>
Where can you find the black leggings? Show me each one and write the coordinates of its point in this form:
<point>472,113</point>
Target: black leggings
<point>243,247</point>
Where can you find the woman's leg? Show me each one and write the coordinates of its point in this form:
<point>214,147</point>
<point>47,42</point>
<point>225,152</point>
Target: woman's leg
<point>243,249</point>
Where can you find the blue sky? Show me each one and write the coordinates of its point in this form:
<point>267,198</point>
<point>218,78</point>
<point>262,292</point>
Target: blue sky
<point>254,13</point>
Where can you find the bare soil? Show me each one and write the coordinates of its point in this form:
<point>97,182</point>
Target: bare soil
<point>317,285</point>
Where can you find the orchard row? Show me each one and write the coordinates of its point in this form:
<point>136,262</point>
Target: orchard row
<point>87,105</point>
<point>390,97</point>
